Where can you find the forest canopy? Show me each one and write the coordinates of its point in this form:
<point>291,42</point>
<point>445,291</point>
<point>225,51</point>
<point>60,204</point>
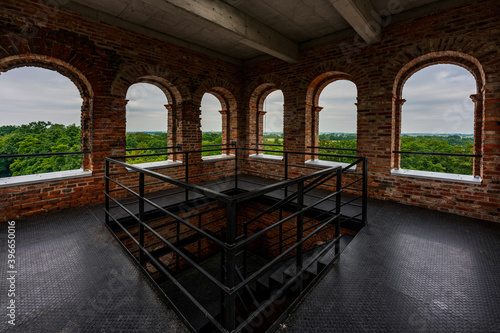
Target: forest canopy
<point>39,137</point>
<point>45,137</point>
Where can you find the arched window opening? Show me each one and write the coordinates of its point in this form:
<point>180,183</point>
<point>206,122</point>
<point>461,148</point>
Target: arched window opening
<point>40,113</point>
<point>272,123</point>
<point>147,122</point>
<point>438,117</point>
<point>338,120</point>
<point>211,125</point>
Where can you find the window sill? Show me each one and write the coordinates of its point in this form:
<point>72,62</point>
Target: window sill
<point>329,164</point>
<point>216,158</point>
<point>43,177</point>
<point>157,165</point>
<point>447,177</point>
<point>267,157</point>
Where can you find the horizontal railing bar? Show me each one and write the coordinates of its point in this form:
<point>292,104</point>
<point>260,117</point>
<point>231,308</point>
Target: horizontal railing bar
<point>301,153</point>
<point>177,218</point>
<point>289,198</point>
<point>152,148</point>
<point>263,269</point>
<point>287,285</point>
<point>433,153</point>
<point>272,226</point>
<point>261,173</point>
<point>352,217</point>
<point>266,144</point>
<point>45,154</point>
<point>160,267</point>
<point>333,148</point>
<point>174,248</point>
<point>195,188</point>
<point>281,184</point>
<point>354,182</point>
<point>353,189</point>
<point>210,173</point>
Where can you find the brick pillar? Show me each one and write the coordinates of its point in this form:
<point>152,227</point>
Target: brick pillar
<point>86,133</point>
<point>226,136</point>
<point>260,129</point>
<point>396,131</point>
<point>294,128</point>
<point>108,130</point>
<point>315,129</point>
<point>478,133</point>
<point>189,130</point>
<point>171,130</point>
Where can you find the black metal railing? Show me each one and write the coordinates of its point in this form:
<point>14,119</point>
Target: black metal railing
<point>356,183</point>
<point>12,156</point>
<point>141,218</point>
<point>435,153</point>
<point>444,155</point>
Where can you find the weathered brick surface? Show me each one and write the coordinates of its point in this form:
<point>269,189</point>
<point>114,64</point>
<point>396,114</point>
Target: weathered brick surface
<point>103,61</point>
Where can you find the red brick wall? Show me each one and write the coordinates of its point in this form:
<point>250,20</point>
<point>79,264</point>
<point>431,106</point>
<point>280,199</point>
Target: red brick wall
<point>466,35</point>
<point>103,61</point>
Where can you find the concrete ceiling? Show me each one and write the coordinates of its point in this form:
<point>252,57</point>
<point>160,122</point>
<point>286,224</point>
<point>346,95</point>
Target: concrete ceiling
<point>240,30</point>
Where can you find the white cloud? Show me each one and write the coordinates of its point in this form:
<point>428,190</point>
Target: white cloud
<point>273,105</point>
<point>437,100</point>
<point>30,94</point>
<point>339,113</point>
<point>146,108</point>
<point>211,119</point>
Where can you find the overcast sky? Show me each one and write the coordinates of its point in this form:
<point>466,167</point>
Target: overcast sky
<point>437,101</point>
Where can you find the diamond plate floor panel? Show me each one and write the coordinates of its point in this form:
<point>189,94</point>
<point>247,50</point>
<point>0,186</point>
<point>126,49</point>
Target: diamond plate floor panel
<point>74,277</point>
<point>409,270</point>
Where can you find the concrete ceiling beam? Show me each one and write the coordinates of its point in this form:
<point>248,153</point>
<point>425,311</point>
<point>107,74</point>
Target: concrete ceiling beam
<point>358,13</point>
<point>247,30</point>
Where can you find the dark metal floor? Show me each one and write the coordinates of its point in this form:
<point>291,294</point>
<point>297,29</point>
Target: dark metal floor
<point>409,270</point>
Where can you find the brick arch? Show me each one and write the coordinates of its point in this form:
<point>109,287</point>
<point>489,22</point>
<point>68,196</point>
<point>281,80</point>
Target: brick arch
<point>314,81</point>
<point>34,60</point>
<point>170,84</point>
<point>320,82</point>
<point>256,110</point>
<point>223,91</point>
<point>312,107</point>
<point>174,88</point>
<point>76,76</point>
<point>463,60</point>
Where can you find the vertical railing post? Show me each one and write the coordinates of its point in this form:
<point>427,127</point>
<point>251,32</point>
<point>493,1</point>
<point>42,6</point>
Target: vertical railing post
<point>281,232</point>
<point>230,282</point>
<point>245,230</point>
<point>186,177</point>
<point>141,217</point>
<point>177,240</point>
<point>235,165</point>
<point>106,197</point>
<point>365,191</point>
<point>286,172</point>
<point>199,241</point>
<point>338,205</point>
<point>300,227</point>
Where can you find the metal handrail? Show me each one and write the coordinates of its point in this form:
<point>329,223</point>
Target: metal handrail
<point>234,243</point>
<point>45,154</point>
<point>188,186</point>
<point>435,153</point>
<point>154,148</point>
<point>333,148</point>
